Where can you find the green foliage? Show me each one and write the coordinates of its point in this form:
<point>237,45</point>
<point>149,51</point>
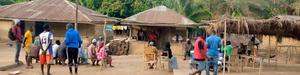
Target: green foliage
<point>6,2</point>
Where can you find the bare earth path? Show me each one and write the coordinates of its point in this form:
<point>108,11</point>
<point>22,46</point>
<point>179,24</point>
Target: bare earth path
<point>127,65</point>
<point>124,65</point>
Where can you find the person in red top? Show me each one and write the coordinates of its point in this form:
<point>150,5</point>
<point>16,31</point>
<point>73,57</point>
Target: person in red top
<point>18,35</point>
<point>152,38</point>
<point>200,51</point>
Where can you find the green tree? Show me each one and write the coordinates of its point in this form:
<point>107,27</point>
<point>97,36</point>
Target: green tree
<point>190,8</point>
<point>6,2</point>
<point>236,8</point>
<point>289,7</point>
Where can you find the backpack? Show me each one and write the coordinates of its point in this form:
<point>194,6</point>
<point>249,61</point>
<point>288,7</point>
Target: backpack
<point>11,35</point>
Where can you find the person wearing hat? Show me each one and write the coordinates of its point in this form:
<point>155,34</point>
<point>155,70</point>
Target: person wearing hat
<point>73,42</point>
<point>45,54</point>
<point>92,52</point>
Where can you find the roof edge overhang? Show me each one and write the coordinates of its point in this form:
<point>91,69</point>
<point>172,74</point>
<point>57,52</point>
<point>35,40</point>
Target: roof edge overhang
<point>136,23</point>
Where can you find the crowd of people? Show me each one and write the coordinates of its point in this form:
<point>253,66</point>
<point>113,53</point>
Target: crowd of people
<point>47,53</point>
<point>206,53</point>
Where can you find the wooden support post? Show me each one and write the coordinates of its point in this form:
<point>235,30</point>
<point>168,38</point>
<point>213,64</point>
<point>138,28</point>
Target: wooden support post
<point>225,39</point>
<point>269,49</point>
<point>76,15</point>
<point>287,55</point>
<point>242,65</point>
<point>276,52</point>
<point>260,66</point>
<point>229,64</point>
<point>104,32</point>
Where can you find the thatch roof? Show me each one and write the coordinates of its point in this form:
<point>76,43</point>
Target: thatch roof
<point>280,26</point>
<point>158,16</point>
<point>50,10</point>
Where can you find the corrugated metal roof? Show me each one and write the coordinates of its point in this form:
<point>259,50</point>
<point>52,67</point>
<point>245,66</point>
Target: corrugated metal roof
<point>51,10</point>
<point>158,16</point>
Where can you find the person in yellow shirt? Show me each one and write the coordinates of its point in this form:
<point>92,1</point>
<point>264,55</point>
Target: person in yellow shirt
<point>27,42</point>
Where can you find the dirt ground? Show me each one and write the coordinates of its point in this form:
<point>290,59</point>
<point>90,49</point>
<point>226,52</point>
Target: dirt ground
<point>124,65</point>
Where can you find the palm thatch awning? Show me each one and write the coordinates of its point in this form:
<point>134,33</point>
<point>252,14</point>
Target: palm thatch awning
<point>280,26</point>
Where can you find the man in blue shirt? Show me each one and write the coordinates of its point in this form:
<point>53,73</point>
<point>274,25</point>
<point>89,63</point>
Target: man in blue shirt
<point>73,42</point>
<point>213,43</point>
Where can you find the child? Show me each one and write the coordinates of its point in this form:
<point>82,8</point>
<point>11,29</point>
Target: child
<point>188,48</point>
<point>228,49</point>
<point>61,54</point>
<point>109,58</point>
<point>55,51</point>
<point>82,55</point>
<point>192,62</point>
<point>27,42</point>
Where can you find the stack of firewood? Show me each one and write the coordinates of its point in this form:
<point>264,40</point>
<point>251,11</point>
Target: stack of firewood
<point>119,47</point>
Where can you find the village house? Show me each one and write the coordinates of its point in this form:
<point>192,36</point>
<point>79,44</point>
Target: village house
<point>164,22</point>
<point>57,13</point>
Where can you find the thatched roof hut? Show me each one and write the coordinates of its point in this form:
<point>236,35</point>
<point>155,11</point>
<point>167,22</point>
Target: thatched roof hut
<point>159,16</point>
<point>280,26</point>
<point>57,13</point>
<point>52,11</point>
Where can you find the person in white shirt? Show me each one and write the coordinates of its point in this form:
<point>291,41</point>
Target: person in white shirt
<point>55,48</point>
<point>46,52</point>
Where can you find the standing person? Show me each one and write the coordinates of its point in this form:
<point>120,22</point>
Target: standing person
<point>200,51</point>
<point>73,42</point>
<point>27,42</point>
<point>228,50</point>
<point>55,51</point>
<point>188,47</point>
<point>167,48</point>
<point>152,37</point>
<point>46,52</point>
<point>213,42</point>
<point>141,35</point>
<point>17,33</point>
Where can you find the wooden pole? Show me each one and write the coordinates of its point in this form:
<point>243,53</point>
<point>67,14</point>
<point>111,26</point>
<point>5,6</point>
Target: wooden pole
<point>225,35</point>
<point>76,15</point>
<point>130,32</point>
<point>225,39</point>
<point>269,54</point>
<point>260,66</point>
<point>104,32</point>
